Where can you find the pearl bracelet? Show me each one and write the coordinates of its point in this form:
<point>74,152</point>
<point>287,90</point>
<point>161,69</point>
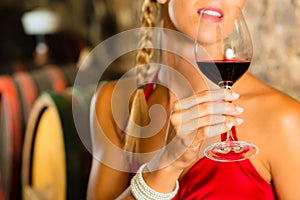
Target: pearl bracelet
<point>141,191</point>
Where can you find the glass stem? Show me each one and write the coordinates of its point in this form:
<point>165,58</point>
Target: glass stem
<point>229,136</point>
<point>227,85</point>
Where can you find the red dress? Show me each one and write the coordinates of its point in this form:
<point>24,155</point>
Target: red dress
<point>213,180</point>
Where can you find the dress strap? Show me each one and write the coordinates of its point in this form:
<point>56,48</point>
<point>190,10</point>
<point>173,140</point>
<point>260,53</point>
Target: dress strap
<point>151,86</point>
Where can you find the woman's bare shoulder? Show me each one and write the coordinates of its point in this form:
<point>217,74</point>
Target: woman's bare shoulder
<point>112,107</point>
<point>282,108</point>
<point>103,98</point>
<point>278,115</point>
<point>268,97</point>
<point>277,102</point>
<point>273,112</point>
<point>113,92</point>
<point>278,119</point>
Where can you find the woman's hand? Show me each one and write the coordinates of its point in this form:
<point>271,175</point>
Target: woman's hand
<point>205,115</point>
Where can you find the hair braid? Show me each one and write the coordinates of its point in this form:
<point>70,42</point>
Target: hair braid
<point>139,109</point>
<point>146,51</point>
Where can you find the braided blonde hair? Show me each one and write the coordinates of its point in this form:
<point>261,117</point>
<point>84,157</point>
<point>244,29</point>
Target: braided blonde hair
<point>139,109</point>
<point>146,51</point>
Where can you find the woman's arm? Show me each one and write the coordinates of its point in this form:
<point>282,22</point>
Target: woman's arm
<point>108,182</point>
<point>105,181</point>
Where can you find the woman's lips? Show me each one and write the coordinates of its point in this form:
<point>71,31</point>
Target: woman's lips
<point>211,14</point>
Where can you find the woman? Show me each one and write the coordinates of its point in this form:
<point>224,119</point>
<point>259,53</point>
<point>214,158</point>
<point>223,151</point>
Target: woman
<point>262,115</point>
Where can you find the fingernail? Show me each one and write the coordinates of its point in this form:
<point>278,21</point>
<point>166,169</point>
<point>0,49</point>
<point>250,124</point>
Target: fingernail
<point>239,109</point>
<point>175,106</point>
<point>235,95</point>
<point>239,121</point>
<point>229,125</point>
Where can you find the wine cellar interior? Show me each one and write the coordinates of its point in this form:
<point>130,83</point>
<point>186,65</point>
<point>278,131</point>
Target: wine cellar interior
<point>46,42</point>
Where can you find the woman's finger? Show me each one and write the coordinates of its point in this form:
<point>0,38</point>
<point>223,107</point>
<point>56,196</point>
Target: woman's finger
<point>206,96</point>
<point>205,109</point>
<point>207,121</point>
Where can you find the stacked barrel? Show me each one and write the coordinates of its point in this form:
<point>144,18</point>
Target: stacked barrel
<point>42,156</point>
<point>43,151</point>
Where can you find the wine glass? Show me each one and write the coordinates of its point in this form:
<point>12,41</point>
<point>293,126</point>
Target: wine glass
<point>223,52</point>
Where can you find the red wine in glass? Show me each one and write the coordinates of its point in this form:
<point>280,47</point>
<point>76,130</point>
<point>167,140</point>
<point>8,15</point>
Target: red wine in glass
<point>223,71</point>
<point>223,52</point>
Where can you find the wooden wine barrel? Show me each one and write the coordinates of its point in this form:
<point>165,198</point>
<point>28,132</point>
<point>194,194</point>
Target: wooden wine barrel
<point>10,138</point>
<point>18,92</point>
<point>56,164</point>
<point>30,84</point>
<point>49,78</point>
<point>27,92</point>
<point>70,72</point>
